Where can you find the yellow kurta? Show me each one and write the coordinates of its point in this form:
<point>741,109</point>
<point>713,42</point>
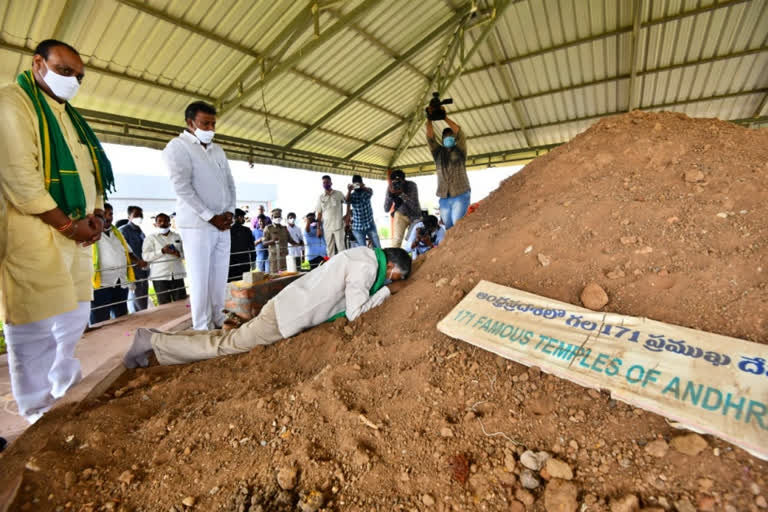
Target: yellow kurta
<point>42,273</point>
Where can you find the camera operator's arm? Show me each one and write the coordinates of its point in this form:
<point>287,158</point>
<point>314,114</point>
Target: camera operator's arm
<point>388,201</point>
<point>461,141</point>
<point>347,215</point>
<point>433,145</point>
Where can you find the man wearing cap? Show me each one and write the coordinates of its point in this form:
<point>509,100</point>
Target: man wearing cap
<point>450,155</point>
<point>243,251</point>
<point>276,238</point>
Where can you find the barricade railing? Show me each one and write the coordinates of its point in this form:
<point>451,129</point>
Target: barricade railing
<point>162,278</point>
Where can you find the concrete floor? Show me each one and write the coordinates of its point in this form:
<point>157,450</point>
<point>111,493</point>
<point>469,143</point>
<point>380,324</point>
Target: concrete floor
<point>100,350</point>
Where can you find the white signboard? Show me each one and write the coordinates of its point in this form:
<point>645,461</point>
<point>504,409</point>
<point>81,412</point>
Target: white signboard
<point>710,383</point>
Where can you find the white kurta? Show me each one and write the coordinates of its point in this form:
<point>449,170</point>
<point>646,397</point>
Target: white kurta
<point>204,187</point>
<point>202,180</point>
<point>296,234</point>
<point>163,267</point>
<point>342,284</point>
<point>112,263</point>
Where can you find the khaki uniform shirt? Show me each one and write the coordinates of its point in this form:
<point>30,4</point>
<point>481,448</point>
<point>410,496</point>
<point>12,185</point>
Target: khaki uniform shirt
<point>450,166</point>
<point>331,206</point>
<point>278,251</point>
<point>42,272</point>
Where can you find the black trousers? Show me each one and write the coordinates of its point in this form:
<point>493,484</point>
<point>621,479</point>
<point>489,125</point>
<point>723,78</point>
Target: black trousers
<point>170,290</point>
<point>100,312</point>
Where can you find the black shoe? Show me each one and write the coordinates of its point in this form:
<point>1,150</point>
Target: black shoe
<point>3,443</point>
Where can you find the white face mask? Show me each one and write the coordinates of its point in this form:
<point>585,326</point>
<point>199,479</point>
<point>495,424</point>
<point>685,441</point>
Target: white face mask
<point>204,136</point>
<point>163,231</point>
<point>278,221</point>
<point>137,220</point>
<point>63,87</point>
<point>291,221</point>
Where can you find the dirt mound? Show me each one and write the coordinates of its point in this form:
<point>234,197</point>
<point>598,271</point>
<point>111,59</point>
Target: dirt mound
<point>667,213</point>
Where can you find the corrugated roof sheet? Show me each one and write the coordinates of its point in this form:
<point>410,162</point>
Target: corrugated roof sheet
<point>546,70</point>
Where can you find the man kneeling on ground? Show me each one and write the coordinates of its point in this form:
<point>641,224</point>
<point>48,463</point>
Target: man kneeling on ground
<point>349,284</point>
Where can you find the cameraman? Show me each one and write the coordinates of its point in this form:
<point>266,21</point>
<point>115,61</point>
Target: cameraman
<point>405,196</point>
<point>426,234</point>
<point>450,154</point>
<point>359,198</point>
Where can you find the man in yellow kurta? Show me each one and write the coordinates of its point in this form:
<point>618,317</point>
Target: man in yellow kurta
<point>53,178</point>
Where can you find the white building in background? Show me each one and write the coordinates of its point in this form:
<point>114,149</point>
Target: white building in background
<point>155,194</point>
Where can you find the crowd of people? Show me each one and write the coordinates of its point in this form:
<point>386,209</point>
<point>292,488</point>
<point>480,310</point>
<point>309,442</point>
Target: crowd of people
<point>63,263</point>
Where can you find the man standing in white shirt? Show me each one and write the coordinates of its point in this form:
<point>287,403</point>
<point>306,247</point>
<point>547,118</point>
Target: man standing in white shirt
<point>205,209</point>
<point>330,212</point>
<point>350,284</point>
<point>295,249</point>
<point>164,252</point>
<point>113,264</point>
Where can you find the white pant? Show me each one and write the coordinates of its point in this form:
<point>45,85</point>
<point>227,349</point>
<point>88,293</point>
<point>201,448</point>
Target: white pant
<point>207,254</point>
<point>41,358</point>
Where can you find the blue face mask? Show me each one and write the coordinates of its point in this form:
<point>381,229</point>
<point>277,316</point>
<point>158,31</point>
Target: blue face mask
<point>449,142</point>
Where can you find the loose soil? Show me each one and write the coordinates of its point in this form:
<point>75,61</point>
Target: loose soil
<point>386,413</point>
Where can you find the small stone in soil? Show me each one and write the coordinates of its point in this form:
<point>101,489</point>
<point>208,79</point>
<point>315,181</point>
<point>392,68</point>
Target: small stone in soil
<point>559,469</point>
<point>286,477</point>
<point>594,297</point>
<point>689,444</point>
<point>657,448</point>
<point>560,496</point>
<point>528,479</point>
<point>627,503</point>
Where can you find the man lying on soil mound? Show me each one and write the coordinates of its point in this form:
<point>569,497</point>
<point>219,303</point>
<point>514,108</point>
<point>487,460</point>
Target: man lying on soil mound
<point>350,284</point>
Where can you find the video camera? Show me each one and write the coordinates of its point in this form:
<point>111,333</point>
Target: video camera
<point>435,110</point>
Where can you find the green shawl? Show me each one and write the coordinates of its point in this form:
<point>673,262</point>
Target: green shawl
<point>381,276</point>
<point>61,177</point>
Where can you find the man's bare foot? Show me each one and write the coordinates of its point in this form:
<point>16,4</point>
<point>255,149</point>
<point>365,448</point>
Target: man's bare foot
<point>137,354</point>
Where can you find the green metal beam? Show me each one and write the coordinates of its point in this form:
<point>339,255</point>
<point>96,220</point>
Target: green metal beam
<point>375,139</point>
<point>289,33</point>
<point>118,75</point>
<point>342,92</point>
<point>637,16</point>
<point>494,43</point>
<point>381,46</point>
<point>616,78</point>
<point>299,54</point>
<point>178,90</point>
<point>444,83</point>
<point>190,27</point>
<point>123,127</point>
<point>761,106</point>
<point>609,34</point>
<point>381,75</point>
<point>65,19</point>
